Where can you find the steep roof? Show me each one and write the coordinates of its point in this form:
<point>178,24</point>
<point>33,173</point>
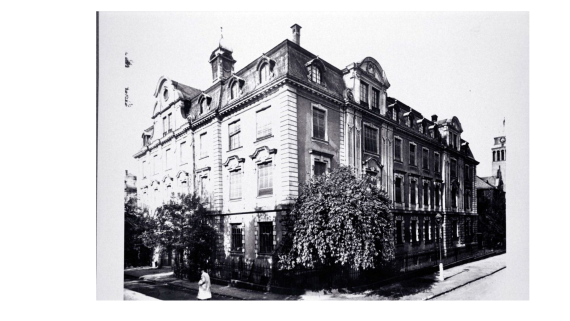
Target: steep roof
<point>484,182</point>
<point>187,91</point>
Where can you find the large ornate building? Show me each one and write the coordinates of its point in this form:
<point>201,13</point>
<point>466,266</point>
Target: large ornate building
<point>247,142</point>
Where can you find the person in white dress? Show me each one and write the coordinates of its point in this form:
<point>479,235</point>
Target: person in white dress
<point>204,287</point>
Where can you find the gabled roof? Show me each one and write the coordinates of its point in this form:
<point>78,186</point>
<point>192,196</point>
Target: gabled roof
<point>187,91</point>
<point>485,182</point>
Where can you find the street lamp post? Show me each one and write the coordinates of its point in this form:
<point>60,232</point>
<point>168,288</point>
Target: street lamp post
<point>438,220</point>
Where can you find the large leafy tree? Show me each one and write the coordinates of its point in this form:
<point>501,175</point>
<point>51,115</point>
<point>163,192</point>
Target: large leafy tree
<point>182,225</point>
<point>339,220</point>
<point>135,253</point>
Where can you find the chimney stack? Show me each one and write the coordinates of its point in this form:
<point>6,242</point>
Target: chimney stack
<point>434,118</point>
<point>296,37</point>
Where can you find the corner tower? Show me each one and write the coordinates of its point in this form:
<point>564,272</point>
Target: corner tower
<point>499,150</point>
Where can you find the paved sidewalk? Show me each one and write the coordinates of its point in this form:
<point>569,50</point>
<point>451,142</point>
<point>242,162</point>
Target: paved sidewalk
<point>129,295</point>
<point>421,288</point>
<point>418,288</point>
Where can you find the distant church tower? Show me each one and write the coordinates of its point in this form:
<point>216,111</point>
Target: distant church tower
<point>500,157</point>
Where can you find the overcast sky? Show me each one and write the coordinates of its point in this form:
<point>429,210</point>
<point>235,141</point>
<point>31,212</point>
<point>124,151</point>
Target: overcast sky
<point>475,66</point>
<point>470,65</point>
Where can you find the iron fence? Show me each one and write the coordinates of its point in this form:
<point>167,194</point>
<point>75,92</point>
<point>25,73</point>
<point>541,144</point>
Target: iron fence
<point>261,272</point>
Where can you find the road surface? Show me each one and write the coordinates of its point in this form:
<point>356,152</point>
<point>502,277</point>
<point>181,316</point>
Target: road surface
<point>164,291</point>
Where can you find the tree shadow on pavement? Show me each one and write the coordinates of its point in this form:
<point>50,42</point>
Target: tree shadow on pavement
<point>404,288</point>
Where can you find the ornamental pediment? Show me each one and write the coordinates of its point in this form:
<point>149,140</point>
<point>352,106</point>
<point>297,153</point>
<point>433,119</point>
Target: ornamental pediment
<point>263,154</point>
<point>234,163</point>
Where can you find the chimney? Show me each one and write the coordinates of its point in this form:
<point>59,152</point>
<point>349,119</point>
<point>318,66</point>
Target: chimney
<point>434,118</point>
<point>296,37</point>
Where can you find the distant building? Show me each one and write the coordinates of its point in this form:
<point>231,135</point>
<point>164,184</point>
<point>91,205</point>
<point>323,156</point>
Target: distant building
<point>247,142</point>
<point>130,185</point>
<point>491,197</point>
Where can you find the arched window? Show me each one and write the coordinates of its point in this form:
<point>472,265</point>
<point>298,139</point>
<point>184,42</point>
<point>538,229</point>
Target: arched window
<point>314,74</point>
<point>234,90</point>
<point>263,73</point>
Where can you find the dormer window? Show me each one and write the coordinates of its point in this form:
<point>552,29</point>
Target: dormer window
<point>204,102</point>
<point>315,70</point>
<point>375,97</point>
<point>363,92</point>
<point>263,73</point>
<point>314,74</point>
<point>234,90</point>
<point>235,85</point>
<point>165,94</point>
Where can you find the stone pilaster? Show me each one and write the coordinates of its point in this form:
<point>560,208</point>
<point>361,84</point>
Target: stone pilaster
<point>216,171</point>
<point>288,149</point>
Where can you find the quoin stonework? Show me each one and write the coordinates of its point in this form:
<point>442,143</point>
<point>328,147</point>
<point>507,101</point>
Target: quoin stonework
<point>247,142</point>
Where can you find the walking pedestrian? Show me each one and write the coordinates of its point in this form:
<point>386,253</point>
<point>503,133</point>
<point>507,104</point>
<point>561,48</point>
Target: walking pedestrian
<point>204,287</point>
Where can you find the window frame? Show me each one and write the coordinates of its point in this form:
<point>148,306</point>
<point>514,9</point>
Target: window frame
<point>267,191</point>
<point>314,74</point>
<point>264,121</point>
<point>266,238</point>
<point>235,237</point>
<point>453,168</point>
<point>437,162</point>
<point>264,73</point>
<point>364,88</point>
<point>366,127</point>
<point>425,158</point>
<point>324,110</point>
<point>235,186</point>
<point>415,154</point>
<point>203,151</point>
<point>400,178</point>
<point>375,103</point>
<point>398,147</point>
<point>413,189</point>
<point>233,134</point>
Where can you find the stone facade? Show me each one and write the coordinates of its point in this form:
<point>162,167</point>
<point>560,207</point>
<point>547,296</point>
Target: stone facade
<point>247,142</point>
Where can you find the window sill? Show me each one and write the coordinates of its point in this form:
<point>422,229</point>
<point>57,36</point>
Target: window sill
<point>203,157</point>
<point>231,150</point>
<point>265,196</point>
<point>182,164</point>
<point>263,138</point>
<point>235,200</point>
<point>319,140</point>
<point>372,153</point>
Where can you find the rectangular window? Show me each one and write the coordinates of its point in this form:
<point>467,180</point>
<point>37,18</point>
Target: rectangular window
<point>467,200</point>
<point>170,122</point>
<point>263,124</point>
<point>453,168</point>
<point>235,185</point>
<point>237,238</point>
<point>414,231</point>
<point>398,149</point>
<point>437,161</point>
<point>370,139</point>
<point>375,98</point>
<point>436,195</point>
<point>183,153</point>
<point>168,160</point>
<point>398,189</point>
<point>319,123</point>
<point>399,232</point>
<point>164,126</point>
<point>364,92</point>
<point>265,179</point>
<point>454,229</point>
<point>426,194</point>
<point>204,189</point>
<point>234,132</point>
<point>266,237</point>
<point>412,154</point>
<point>320,168</point>
<point>203,145</point>
<point>466,174</point>
<point>425,158</point>
<point>413,192</point>
<point>427,235</point>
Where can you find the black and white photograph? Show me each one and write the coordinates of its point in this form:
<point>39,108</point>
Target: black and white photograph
<point>313,156</point>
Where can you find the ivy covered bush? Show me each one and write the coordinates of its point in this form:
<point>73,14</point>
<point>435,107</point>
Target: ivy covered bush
<point>338,221</point>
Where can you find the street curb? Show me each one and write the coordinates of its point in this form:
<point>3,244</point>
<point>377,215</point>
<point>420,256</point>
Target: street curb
<point>457,287</point>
